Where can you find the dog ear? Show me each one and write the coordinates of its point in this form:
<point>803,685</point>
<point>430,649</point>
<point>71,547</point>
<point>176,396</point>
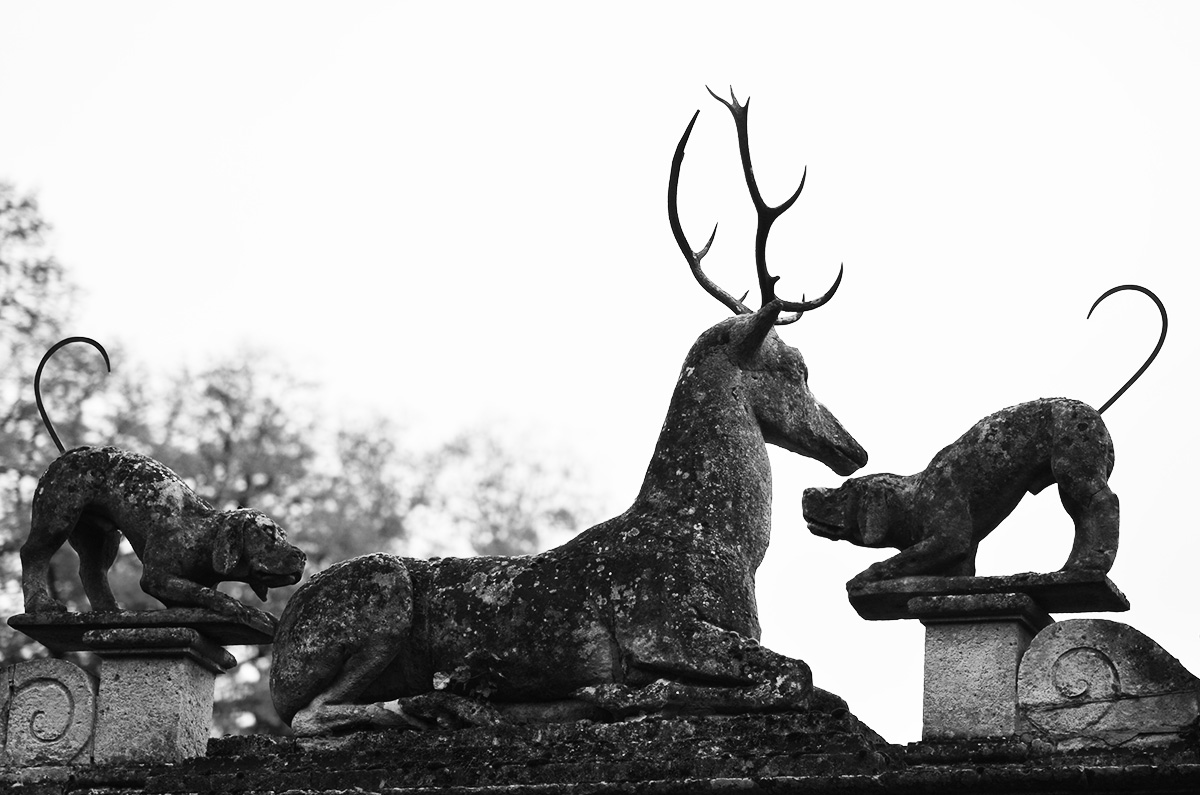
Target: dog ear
<point>875,520</point>
<point>229,543</point>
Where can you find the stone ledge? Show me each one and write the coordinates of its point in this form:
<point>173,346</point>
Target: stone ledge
<point>69,631</point>
<point>399,763</point>
<point>1057,592</point>
<point>682,753</point>
<point>159,642</point>
<point>958,608</point>
<point>372,762</point>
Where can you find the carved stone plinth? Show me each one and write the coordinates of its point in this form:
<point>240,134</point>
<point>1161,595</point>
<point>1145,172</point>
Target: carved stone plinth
<point>977,629</point>
<point>1088,683</point>
<point>153,701</point>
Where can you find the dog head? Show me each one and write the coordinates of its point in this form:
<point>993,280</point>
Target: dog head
<point>862,510</point>
<point>249,547</point>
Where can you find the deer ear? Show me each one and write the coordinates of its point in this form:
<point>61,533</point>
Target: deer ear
<point>228,543</point>
<point>755,329</point>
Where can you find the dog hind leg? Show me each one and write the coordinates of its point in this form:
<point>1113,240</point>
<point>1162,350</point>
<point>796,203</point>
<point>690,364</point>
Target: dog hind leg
<point>51,526</point>
<point>1081,462</point>
<point>1095,510</point>
<point>97,542</point>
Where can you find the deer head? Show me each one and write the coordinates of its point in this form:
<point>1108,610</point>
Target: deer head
<point>773,373</point>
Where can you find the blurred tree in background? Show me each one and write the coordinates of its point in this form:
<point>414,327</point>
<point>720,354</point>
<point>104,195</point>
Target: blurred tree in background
<point>35,299</point>
<point>243,433</point>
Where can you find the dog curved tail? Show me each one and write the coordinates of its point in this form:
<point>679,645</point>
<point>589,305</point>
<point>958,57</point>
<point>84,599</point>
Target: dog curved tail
<point>37,381</point>
<point>1162,310</point>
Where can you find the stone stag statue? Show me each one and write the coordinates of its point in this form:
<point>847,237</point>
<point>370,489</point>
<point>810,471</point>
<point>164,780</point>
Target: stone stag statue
<point>937,517</point>
<point>653,609</point>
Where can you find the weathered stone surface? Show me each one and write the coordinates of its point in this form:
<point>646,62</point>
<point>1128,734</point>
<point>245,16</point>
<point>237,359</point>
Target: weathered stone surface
<point>702,751</point>
<point>1056,592</point>
<point>49,714</point>
<point>1091,682</point>
<point>91,495</point>
<point>660,596</point>
<point>973,644</point>
<point>937,517</point>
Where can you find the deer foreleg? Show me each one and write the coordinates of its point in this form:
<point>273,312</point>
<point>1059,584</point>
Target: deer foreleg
<point>702,669</point>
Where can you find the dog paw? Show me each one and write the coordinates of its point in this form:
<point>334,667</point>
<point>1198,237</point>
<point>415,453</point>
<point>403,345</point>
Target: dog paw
<point>45,606</point>
<point>249,615</point>
<point>242,614</point>
<point>863,578</point>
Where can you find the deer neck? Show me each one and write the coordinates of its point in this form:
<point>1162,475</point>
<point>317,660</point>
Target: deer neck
<point>710,474</point>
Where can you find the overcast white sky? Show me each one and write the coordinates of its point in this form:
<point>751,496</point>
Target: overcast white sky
<point>454,213</point>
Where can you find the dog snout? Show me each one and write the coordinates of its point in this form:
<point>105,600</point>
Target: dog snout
<point>814,498</point>
<point>291,563</point>
<point>296,562</point>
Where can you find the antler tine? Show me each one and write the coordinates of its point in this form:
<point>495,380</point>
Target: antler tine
<point>694,257</point>
<point>767,215</point>
<point>802,306</point>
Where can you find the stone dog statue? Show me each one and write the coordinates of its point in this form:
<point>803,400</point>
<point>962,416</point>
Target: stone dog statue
<point>937,517</point>
<point>653,610</point>
<point>89,496</point>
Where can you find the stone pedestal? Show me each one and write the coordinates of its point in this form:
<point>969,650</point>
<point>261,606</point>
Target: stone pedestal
<point>973,646</point>
<point>977,630</point>
<point>154,698</point>
<point>156,692</point>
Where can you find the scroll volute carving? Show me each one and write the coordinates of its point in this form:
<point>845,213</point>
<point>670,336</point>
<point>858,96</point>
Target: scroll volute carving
<point>50,714</point>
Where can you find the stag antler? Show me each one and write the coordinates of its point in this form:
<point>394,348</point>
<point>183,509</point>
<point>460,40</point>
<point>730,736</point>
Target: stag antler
<point>766,217</point>
<point>694,257</point>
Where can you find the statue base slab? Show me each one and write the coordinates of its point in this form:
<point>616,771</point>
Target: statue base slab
<point>1056,592</point>
<point>64,631</point>
<point>154,697</point>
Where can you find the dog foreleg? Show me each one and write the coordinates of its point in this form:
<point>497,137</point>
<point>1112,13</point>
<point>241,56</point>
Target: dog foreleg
<point>175,591</point>
<point>946,547</point>
<point>943,557</point>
